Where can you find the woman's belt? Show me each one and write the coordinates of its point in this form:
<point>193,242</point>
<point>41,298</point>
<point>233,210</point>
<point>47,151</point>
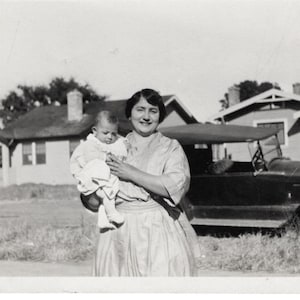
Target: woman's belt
<point>138,205</point>
<point>141,205</point>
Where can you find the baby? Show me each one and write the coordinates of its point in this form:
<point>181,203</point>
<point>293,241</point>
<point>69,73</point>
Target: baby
<point>88,166</point>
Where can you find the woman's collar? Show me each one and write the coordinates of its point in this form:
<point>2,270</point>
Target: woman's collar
<point>139,139</point>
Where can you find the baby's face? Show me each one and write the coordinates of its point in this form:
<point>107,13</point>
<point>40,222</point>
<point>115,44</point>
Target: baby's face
<point>106,132</point>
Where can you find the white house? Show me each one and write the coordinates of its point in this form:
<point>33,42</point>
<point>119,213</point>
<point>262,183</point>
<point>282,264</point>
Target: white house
<point>37,146</point>
<point>272,108</point>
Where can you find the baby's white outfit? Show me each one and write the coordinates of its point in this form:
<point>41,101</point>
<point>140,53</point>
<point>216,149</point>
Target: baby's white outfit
<point>88,165</point>
<point>89,168</point>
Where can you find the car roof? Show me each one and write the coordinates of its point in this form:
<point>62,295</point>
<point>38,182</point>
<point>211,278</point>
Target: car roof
<point>198,133</point>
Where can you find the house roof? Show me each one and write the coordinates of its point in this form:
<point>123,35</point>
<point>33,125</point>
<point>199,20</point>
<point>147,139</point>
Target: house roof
<point>51,121</point>
<point>217,133</point>
<point>270,96</point>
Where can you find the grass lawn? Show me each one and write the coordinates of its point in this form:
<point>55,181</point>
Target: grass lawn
<point>41,212</point>
<point>42,223</point>
<point>49,224</point>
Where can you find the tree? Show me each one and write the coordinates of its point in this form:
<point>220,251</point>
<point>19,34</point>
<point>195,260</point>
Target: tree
<point>25,98</point>
<point>248,89</point>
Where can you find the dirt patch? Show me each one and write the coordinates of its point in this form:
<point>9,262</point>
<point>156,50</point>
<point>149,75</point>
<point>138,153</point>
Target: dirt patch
<point>32,269</point>
<point>84,269</point>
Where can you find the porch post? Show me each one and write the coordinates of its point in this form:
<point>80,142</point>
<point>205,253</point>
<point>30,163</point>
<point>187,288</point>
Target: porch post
<point>5,164</point>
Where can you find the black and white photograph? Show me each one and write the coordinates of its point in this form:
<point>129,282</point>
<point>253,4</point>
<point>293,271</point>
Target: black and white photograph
<point>150,146</point>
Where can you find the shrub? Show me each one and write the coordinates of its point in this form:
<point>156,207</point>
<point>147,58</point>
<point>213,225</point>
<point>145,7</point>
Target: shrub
<point>252,252</point>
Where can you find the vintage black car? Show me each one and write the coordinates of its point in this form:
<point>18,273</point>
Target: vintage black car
<point>261,192</point>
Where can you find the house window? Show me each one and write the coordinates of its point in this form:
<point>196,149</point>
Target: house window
<point>27,154</point>
<point>34,153</point>
<point>40,152</point>
<point>277,125</point>
<point>73,144</point>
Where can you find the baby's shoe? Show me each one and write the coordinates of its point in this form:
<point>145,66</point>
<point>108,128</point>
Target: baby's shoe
<point>102,224</point>
<point>116,218</point>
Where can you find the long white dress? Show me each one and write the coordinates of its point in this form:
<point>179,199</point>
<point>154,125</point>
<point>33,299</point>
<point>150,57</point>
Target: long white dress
<point>155,240</point>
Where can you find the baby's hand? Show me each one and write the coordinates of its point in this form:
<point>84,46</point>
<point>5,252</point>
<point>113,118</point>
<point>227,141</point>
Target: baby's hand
<point>122,158</point>
<point>109,157</point>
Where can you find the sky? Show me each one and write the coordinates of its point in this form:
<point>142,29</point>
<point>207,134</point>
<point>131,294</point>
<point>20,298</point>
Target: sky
<point>194,49</point>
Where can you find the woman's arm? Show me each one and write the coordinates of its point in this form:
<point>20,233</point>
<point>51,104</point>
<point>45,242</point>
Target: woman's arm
<point>152,183</point>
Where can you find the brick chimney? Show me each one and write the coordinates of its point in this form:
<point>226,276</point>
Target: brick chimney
<point>75,105</point>
<point>296,88</point>
<point>233,95</point>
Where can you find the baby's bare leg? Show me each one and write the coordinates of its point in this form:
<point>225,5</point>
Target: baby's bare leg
<point>110,191</point>
<point>103,221</point>
<point>112,214</point>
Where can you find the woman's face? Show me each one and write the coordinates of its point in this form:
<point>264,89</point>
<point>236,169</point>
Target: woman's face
<point>144,117</point>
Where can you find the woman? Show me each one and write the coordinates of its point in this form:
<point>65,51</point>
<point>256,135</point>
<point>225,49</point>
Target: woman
<point>156,238</point>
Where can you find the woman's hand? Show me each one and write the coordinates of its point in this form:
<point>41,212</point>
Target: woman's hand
<point>119,168</point>
<point>152,183</point>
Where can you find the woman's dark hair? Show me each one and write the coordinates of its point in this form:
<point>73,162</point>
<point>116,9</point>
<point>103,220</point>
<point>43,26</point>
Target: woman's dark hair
<point>152,97</point>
